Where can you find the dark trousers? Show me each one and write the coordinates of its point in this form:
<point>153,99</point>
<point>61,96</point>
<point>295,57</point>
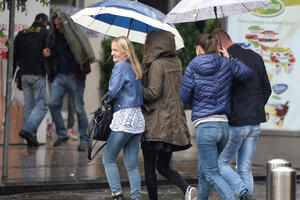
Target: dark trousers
<point>160,161</point>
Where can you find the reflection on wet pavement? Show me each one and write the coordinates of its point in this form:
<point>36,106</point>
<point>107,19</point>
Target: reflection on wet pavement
<point>64,163</point>
<point>64,168</point>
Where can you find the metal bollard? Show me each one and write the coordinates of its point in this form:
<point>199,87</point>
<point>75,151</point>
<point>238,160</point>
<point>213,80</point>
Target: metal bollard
<point>283,183</point>
<point>272,164</point>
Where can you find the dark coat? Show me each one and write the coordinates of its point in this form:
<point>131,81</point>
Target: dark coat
<point>207,83</point>
<point>28,49</point>
<point>248,99</point>
<point>162,76</point>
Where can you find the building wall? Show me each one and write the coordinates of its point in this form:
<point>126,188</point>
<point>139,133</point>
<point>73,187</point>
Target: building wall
<point>89,2</point>
<point>92,91</point>
<point>277,144</point>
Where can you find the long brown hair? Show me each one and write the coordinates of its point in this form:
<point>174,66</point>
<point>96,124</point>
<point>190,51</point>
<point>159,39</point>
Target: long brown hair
<point>126,46</point>
<point>207,43</point>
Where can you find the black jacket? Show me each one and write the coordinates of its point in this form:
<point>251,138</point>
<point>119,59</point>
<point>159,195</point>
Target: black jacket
<point>248,99</point>
<point>28,49</point>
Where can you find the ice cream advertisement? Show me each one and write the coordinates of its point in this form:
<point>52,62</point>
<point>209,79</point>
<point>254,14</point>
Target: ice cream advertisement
<point>274,32</point>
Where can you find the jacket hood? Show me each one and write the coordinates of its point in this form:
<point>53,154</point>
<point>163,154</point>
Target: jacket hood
<point>162,44</point>
<point>206,64</point>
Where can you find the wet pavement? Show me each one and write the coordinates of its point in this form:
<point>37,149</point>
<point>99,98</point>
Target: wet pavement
<point>64,163</point>
<point>165,192</point>
<point>34,173</point>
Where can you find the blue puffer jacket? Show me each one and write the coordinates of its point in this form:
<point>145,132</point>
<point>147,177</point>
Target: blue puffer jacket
<point>207,84</point>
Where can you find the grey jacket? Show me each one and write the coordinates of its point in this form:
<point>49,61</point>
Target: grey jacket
<point>77,41</point>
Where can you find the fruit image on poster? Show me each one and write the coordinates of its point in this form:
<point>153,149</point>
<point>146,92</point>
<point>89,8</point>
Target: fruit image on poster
<point>273,32</point>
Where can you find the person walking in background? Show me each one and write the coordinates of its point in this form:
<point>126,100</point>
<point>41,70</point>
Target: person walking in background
<point>166,129</point>
<point>247,112</point>
<point>128,124</point>
<point>206,85</point>
<point>68,59</point>
<point>28,48</point>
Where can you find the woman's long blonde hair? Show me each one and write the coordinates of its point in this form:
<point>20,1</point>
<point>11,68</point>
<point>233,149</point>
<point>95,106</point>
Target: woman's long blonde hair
<point>126,46</point>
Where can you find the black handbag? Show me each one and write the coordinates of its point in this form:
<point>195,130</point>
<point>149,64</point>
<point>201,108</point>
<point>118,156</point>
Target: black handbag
<point>99,129</point>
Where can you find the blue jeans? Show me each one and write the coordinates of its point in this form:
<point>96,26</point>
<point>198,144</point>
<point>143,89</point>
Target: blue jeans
<point>130,145</point>
<point>211,138</point>
<point>242,143</point>
<point>62,85</point>
<point>35,104</point>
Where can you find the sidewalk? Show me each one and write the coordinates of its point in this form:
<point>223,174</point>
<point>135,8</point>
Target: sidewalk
<point>48,168</point>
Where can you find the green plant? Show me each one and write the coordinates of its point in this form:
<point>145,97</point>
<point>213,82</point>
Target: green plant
<point>189,33</point>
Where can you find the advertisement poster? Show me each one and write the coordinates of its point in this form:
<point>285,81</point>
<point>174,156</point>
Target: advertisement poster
<point>274,32</point>
<point>22,20</point>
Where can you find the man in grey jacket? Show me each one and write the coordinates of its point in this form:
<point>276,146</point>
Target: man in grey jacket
<point>68,58</point>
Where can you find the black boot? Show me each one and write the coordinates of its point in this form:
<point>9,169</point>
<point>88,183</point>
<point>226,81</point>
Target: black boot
<point>31,140</point>
<point>118,196</point>
<point>247,196</point>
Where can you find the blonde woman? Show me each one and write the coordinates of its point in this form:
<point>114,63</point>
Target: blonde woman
<point>125,88</point>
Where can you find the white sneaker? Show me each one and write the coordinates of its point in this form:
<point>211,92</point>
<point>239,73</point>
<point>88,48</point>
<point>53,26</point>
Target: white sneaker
<point>191,193</point>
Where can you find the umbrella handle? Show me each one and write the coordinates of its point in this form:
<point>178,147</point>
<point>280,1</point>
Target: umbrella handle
<point>130,23</point>
<point>220,42</point>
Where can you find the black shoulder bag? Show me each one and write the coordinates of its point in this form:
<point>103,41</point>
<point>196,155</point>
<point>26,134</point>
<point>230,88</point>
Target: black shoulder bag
<point>99,129</point>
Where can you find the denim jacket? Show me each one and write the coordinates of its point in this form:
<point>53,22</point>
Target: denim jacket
<point>123,86</point>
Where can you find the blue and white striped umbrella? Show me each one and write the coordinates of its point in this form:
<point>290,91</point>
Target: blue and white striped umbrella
<point>125,18</point>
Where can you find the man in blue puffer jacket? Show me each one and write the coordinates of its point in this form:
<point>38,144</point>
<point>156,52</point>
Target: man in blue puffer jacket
<point>207,85</point>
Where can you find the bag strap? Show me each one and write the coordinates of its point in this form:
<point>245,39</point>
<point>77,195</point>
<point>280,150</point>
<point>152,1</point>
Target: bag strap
<point>90,148</point>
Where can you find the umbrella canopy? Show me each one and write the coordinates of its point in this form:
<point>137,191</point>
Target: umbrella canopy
<point>196,10</point>
<point>125,18</point>
<point>72,10</point>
